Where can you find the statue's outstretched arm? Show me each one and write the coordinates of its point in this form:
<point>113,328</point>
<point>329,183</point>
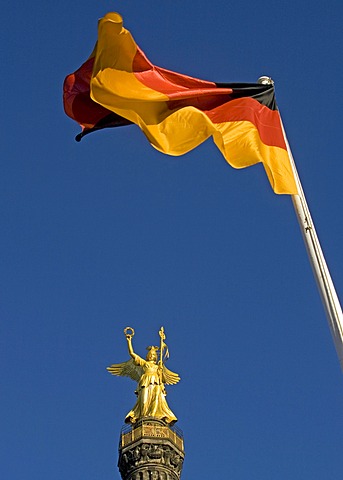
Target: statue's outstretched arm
<point>129,333</point>
<point>129,345</point>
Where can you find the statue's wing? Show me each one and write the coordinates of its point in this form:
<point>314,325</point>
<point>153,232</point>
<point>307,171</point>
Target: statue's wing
<point>127,369</point>
<point>169,377</point>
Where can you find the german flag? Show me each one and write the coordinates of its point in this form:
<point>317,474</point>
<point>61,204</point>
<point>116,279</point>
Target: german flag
<point>118,86</point>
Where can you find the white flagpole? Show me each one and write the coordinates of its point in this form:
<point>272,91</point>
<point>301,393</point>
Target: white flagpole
<point>320,269</point>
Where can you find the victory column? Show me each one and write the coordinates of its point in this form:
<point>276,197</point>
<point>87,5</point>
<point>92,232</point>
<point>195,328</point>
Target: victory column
<point>150,448</point>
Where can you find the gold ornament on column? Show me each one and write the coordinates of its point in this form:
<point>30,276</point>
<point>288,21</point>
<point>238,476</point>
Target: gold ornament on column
<point>152,375</point>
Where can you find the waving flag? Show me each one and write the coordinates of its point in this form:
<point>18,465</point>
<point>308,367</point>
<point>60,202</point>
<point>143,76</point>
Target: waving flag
<point>118,85</point>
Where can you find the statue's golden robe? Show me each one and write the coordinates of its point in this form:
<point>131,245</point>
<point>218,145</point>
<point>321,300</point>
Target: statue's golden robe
<point>151,401</point>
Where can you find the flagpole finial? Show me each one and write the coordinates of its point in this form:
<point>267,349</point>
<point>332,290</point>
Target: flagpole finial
<point>264,80</point>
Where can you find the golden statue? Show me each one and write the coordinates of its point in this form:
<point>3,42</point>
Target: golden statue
<point>151,375</point>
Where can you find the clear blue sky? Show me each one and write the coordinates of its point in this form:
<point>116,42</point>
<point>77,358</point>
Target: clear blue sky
<point>108,233</point>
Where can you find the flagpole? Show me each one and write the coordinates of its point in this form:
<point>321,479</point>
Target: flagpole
<point>320,269</point>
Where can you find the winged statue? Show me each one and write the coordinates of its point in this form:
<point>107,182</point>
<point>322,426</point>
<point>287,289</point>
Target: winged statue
<point>151,375</point>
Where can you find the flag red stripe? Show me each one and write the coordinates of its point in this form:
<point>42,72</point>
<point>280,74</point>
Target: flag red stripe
<point>184,91</point>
